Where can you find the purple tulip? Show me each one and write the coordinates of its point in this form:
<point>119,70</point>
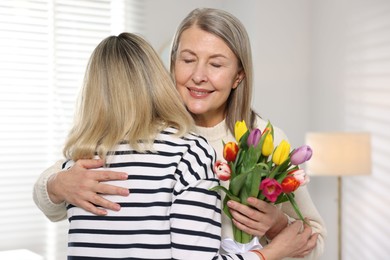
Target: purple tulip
<point>301,155</point>
<point>254,137</point>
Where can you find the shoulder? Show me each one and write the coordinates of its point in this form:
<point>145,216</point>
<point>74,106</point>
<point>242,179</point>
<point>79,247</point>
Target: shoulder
<point>197,159</point>
<point>190,141</point>
<point>279,134</point>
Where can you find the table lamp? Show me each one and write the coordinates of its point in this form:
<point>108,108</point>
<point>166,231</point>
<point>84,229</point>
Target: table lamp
<point>339,154</point>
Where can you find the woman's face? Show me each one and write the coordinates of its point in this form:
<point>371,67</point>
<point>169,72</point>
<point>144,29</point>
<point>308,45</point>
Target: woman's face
<point>206,71</point>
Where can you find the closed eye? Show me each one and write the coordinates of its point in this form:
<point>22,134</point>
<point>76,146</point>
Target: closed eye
<point>216,65</point>
<point>188,60</point>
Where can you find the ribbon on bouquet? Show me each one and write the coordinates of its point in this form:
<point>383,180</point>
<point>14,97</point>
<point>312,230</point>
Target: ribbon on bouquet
<point>231,246</point>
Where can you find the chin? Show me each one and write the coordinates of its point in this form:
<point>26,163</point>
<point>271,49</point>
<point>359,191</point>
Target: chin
<point>197,110</point>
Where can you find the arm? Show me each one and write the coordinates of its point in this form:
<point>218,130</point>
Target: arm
<point>309,211</point>
<point>292,241</point>
<point>55,212</point>
<point>79,186</point>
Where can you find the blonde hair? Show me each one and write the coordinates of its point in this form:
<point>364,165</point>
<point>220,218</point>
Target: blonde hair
<point>128,95</point>
<point>227,27</point>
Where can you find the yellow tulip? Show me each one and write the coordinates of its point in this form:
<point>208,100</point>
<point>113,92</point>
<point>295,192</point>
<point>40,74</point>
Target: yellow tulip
<point>268,145</point>
<point>240,129</point>
<point>281,152</point>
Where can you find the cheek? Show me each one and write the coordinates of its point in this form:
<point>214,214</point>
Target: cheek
<point>181,74</point>
<point>222,81</point>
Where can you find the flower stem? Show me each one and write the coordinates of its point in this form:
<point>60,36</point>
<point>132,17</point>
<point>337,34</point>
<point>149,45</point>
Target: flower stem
<point>237,234</point>
<point>245,238</point>
<point>296,208</point>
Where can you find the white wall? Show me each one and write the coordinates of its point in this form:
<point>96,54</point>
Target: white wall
<point>350,91</point>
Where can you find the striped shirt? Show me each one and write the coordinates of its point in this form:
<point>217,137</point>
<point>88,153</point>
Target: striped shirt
<point>170,212</point>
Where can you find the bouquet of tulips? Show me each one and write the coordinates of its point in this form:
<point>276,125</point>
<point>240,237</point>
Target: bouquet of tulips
<point>256,169</point>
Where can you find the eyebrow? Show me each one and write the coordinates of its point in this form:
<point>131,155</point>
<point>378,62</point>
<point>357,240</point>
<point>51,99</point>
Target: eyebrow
<point>218,55</point>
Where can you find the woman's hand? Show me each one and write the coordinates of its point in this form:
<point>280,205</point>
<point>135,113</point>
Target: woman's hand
<point>81,186</point>
<point>261,218</point>
<point>295,240</point>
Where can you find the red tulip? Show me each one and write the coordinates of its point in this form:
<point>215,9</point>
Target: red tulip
<point>290,184</point>
<point>230,151</point>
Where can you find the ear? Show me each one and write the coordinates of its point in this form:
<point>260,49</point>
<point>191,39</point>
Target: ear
<point>240,76</point>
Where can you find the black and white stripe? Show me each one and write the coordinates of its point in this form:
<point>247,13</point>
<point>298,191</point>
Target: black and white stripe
<point>170,212</point>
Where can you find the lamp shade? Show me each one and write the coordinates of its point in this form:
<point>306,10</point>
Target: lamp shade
<point>339,153</point>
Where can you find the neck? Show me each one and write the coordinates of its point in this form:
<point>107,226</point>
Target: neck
<point>204,121</point>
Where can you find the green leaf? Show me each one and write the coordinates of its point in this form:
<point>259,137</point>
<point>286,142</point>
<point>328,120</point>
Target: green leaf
<point>269,125</point>
<point>282,198</point>
<point>285,165</point>
<point>251,158</point>
<point>228,193</point>
<point>244,196</point>
<point>237,183</point>
<point>280,177</point>
<point>254,180</point>
<point>240,156</point>
<point>226,208</point>
<point>243,141</point>
<point>264,166</point>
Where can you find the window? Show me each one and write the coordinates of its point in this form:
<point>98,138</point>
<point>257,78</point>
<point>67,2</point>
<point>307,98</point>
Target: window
<point>44,48</point>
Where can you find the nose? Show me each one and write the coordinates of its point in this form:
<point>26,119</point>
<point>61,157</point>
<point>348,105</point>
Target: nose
<point>200,74</point>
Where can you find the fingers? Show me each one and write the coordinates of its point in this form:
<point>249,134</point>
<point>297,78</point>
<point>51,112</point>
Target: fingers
<point>309,240</point>
<point>249,220</point>
<point>108,175</point>
<point>296,240</point>
<point>297,226</point>
<point>259,204</point>
<point>95,203</point>
<point>98,200</point>
<point>90,163</point>
<point>241,208</point>
<point>93,209</point>
<point>311,243</point>
<point>308,246</point>
<point>109,189</point>
<point>83,186</point>
<point>242,227</point>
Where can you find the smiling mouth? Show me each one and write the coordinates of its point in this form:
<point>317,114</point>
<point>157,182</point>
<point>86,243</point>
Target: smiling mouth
<point>199,93</point>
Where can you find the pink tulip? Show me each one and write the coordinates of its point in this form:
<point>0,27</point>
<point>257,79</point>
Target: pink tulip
<point>222,170</point>
<point>300,175</point>
<point>271,189</point>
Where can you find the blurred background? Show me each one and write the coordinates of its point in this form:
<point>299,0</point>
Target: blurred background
<point>319,66</point>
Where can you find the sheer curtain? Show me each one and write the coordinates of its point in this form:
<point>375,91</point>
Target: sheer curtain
<point>44,48</point>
